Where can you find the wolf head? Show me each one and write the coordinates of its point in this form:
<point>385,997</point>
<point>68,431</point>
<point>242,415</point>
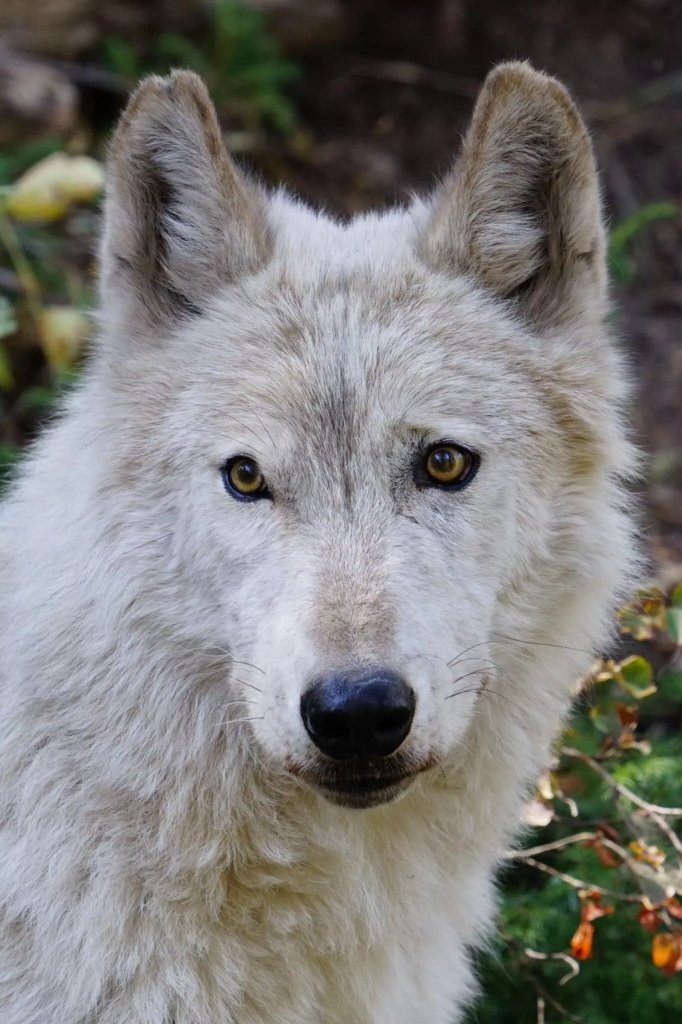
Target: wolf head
<point>373,450</point>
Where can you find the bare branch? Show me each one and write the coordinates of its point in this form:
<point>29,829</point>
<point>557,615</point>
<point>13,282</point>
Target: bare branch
<point>651,809</point>
<point>540,1013</point>
<point>580,883</point>
<point>558,844</point>
<point>574,966</point>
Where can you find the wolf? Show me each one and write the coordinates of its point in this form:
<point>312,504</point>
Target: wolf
<point>296,589</point>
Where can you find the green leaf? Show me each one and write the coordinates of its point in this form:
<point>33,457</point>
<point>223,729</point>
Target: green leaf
<point>6,375</point>
<point>20,158</point>
<point>670,684</point>
<point>637,676</point>
<point>604,720</point>
<point>119,57</point>
<point>38,400</point>
<point>623,234</point>
<point>635,624</point>
<point>676,596</point>
<point>673,623</point>
<point>8,321</point>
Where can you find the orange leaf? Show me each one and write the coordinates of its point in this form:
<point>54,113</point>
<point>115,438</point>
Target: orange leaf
<point>649,919</point>
<point>627,714</point>
<point>606,856</point>
<point>581,943</point>
<point>666,951</point>
<point>591,907</point>
<point>649,854</point>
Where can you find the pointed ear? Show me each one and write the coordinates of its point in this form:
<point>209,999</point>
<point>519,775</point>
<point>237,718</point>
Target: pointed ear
<point>180,221</point>
<point>521,209</point>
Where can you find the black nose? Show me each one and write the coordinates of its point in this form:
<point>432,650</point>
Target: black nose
<point>359,714</point>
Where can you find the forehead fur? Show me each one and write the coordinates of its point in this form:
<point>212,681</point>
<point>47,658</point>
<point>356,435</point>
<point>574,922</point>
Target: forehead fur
<point>347,315</point>
<point>475,315</point>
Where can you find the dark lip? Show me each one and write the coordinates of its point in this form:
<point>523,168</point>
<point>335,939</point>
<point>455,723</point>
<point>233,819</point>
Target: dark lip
<point>360,784</point>
<point>362,793</point>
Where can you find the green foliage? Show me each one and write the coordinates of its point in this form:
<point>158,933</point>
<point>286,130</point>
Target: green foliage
<point>619,983</point>
<point>622,235</point>
<point>15,161</point>
<point>241,63</point>
<point>620,760</point>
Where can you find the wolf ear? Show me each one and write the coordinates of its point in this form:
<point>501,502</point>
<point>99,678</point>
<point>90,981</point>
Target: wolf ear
<point>521,209</point>
<point>180,221</point>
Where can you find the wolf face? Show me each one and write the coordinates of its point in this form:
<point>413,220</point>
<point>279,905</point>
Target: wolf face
<point>359,453</point>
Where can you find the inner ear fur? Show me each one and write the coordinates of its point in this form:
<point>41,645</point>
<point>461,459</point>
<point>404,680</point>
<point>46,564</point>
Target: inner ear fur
<point>521,209</point>
<point>180,219</point>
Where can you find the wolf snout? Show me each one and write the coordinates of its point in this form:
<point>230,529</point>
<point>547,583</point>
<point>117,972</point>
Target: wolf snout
<point>359,714</point>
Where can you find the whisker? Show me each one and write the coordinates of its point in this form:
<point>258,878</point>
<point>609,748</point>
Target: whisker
<point>481,691</point>
<point>146,543</point>
<point>540,643</point>
<point>481,643</point>
<point>245,426</point>
<point>516,640</point>
<point>274,446</point>
<point>488,662</point>
<point>247,663</point>
<point>466,675</point>
<point>434,657</point>
<point>496,693</point>
<point>250,685</point>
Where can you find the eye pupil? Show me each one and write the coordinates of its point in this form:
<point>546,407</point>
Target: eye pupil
<point>443,461</point>
<point>447,464</point>
<point>243,477</point>
<point>245,474</point>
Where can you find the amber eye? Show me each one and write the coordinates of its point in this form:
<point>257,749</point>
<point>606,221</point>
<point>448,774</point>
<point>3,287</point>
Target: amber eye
<point>243,478</point>
<point>446,465</point>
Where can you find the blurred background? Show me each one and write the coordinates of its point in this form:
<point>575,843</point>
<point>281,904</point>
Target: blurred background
<point>353,104</point>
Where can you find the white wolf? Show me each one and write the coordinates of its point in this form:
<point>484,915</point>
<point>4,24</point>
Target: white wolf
<point>265,571</point>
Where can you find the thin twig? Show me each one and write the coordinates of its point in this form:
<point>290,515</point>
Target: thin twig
<point>573,965</point>
<point>540,1011</point>
<point>672,812</point>
<point>526,956</point>
<point>559,1007</point>
<point>579,883</point>
<point>558,844</point>
<point>672,836</point>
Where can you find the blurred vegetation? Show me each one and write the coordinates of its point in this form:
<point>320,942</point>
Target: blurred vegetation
<point>591,921</point>
<point>49,218</point>
<point>621,264</point>
<point>241,63</point>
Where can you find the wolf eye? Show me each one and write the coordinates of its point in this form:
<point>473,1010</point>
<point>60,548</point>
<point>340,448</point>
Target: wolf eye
<point>446,465</point>
<point>243,478</point>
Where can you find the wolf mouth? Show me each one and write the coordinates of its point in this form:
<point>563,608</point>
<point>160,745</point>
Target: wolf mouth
<point>363,791</point>
<point>363,785</point>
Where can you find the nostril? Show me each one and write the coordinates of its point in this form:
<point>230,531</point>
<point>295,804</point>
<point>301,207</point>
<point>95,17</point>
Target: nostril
<point>358,714</point>
<point>332,726</point>
<point>394,720</point>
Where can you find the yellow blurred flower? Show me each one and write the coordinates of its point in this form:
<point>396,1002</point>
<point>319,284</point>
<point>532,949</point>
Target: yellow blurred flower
<point>63,331</point>
<point>46,190</point>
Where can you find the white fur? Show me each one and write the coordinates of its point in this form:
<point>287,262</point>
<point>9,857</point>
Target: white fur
<point>158,862</point>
